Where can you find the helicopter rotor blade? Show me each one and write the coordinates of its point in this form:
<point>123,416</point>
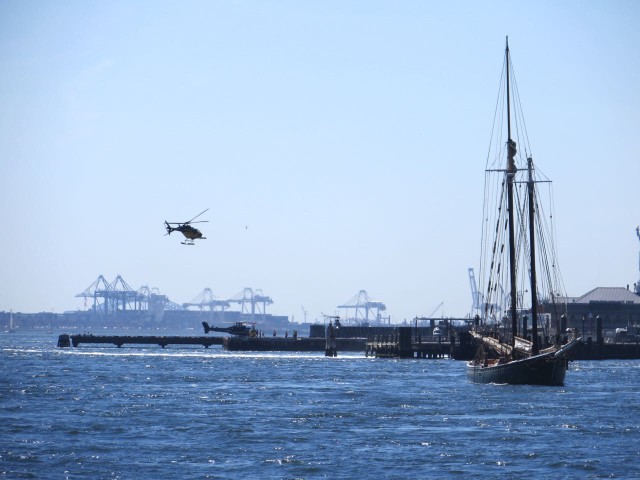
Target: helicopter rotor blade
<point>187,223</point>
<point>196,216</point>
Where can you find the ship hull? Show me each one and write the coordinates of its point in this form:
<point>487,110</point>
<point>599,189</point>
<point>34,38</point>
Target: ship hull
<point>545,369</point>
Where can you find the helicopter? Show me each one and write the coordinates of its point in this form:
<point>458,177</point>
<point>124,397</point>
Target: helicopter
<point>241,329</point>
<point>190,233</point>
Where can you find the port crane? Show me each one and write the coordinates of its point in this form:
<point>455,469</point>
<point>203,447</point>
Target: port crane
<point>638,283</point>
<point>476,304</point>
<point>364,308</point>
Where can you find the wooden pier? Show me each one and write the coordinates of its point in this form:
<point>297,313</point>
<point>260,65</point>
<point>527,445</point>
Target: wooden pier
<point>233,343</point>
<point>66,340</point>
<point>300,344</point>
<point>397,345</point>
<point>598,350</point>
<point>394,346</point>
<point>401,344</point>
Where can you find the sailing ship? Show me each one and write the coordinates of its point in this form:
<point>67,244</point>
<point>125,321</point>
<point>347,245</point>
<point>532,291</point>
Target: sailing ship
<point>519,274</point>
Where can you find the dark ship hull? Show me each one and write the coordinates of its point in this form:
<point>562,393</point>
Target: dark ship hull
<point>547,368</point>
<point>538,370</point>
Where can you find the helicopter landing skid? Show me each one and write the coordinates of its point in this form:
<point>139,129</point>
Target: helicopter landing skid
<point>187,243</point>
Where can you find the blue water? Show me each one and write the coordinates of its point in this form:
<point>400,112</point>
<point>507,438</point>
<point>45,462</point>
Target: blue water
<point>147,412</point>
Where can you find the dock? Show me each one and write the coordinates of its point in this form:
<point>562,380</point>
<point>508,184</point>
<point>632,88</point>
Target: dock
<point>400,344</point>
<point>598,350</point>
<point>66,340</point>
<point>231,343</point>
<point>397,345</point>
<point>381,347</point>
<point>300,344</point>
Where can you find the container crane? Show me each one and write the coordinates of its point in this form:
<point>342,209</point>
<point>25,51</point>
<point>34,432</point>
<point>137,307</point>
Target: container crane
<point>475,295</point>
<point>364,308</point>
<point>637,289</point>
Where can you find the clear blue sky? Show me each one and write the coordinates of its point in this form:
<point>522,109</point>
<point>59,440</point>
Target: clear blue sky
<point>339,145</point>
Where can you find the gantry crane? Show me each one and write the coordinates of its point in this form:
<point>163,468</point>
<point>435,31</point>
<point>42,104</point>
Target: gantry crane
<point>638,282</point>
<point>206,300</point>
<point>118,296</point>
<point>475,295</point>
<point>363,307</point>
<point>256,300</point>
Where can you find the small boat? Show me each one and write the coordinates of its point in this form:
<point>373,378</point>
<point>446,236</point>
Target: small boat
<point>12,327</point>
<point>519,272</point>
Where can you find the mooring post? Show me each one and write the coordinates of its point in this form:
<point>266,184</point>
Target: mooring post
<point>405,350</point>
<point>330,341</point>
<point>563,324</point>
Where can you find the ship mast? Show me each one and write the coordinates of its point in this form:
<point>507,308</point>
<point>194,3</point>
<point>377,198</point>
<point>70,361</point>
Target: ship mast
<point>535,348</point>
<point>511,172</point>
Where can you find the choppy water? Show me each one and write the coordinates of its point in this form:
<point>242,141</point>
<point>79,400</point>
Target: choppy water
<point>139,413</point>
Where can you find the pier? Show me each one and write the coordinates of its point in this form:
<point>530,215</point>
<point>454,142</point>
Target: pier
<point>598,350</point>
<point>66,340</point>
<point>383,347</point>
<point>400,344</point>
<point>300,344</point>
<point>232,343</point>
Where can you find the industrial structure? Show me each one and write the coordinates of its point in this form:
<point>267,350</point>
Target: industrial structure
<point>253,303</point>
<point>117,304</point>
<point>637,284</point>
<point>501,303</point>
<point>119,296</point>
<point>205,300</point>
<point>361,310</point>
<point>476,298</point>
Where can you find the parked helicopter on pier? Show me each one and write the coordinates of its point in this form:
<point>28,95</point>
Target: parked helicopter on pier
<point>241,329</point>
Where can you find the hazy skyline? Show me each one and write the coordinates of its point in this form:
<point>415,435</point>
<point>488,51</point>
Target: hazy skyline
<point>340,146</point>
